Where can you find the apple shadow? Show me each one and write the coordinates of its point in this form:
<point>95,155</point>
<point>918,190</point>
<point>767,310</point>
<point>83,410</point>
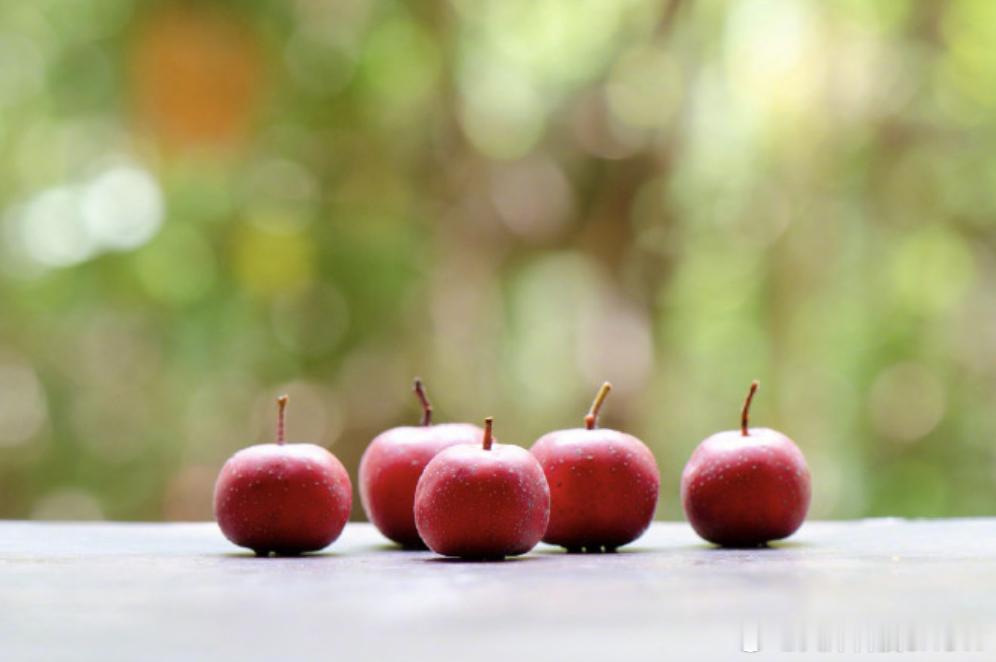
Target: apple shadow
<point>560,551</point>
<point>278,557</point>
<point>461,561</point>
<point>393,547</point>
<point>789,544</point>
<point>702,547</point>
<point>638,550</point>
<point>773,546</point>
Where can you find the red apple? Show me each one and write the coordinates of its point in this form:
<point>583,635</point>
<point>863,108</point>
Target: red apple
<point>282,498</point>
<point>743,488</point>
<point>603,484</point>
<point>392,464</point>
<point>482,502</point>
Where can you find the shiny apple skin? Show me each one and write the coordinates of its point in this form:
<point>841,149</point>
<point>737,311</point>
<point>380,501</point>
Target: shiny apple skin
<point>390,469</point>
<point>742,491</point>
<point>287,499</point>
<point>604,486</point>
<point>482,504</point>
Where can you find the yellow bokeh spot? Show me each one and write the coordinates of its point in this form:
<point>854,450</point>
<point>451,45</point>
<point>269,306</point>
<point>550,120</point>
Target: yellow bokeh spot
<point>776,59</point>
<point>271,258</point>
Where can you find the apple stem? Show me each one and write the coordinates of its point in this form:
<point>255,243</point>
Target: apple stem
<point>281,407</point>
<point>745,412</point>
<point>488,422</point>
<point>592,418</point>
<point>422,398</point>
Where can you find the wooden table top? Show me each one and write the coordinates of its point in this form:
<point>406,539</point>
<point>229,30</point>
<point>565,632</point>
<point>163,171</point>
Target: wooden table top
<point>111,591</point>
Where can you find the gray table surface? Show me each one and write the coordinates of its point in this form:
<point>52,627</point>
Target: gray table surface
<point>181,592</point>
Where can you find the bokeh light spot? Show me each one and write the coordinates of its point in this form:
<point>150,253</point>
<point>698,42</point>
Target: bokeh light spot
<point>122,208</point>
<point>23,405</point>
<point>53,230</point>
<point>533,198</point>
<point>907,402</point>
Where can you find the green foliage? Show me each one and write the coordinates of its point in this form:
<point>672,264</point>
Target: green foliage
<point>203,204</point>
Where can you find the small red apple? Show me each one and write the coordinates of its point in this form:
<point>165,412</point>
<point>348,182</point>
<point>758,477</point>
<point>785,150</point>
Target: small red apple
<point>482,502</point>
<point>603,484</point>
<point>391,466</point>
<point>743,488</point>
<point>282,498</point>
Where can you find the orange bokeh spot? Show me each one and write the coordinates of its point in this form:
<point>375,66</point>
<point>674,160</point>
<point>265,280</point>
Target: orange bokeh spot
<point>196,75</point>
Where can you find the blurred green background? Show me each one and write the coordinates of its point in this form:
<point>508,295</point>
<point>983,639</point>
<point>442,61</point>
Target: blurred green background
<point>204,204</point>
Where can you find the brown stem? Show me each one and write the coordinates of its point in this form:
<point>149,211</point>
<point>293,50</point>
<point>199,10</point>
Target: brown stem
<point>745,412</point>
<point>592,418</point>
<point>422,398</point>
<point>281,407</point>
<point>487,433</point>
